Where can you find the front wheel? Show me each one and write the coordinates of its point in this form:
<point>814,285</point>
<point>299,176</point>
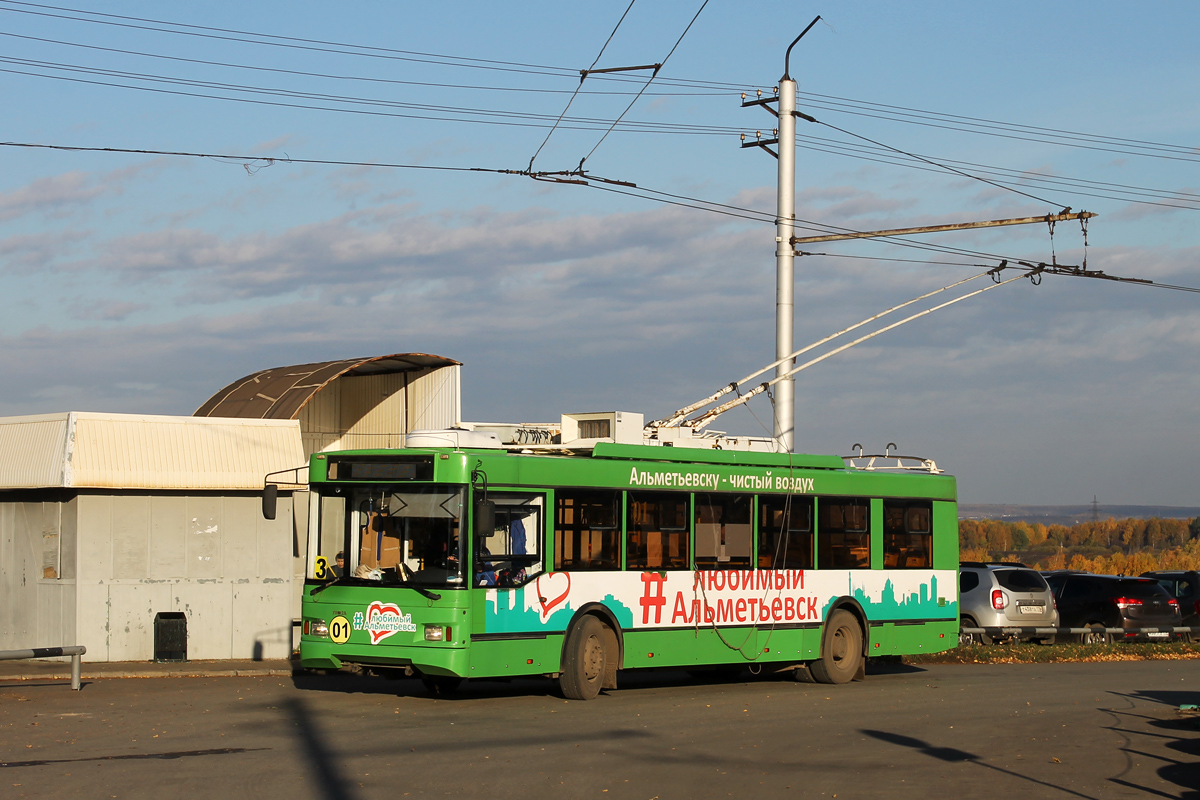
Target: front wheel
<point>585,660</point>
<point>841,653</point>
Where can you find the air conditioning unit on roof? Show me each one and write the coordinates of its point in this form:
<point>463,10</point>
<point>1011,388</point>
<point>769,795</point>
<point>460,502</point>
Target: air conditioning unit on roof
<point>623,427</point>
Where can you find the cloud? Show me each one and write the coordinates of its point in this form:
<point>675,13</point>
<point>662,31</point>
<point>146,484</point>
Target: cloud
<point>106,310</point>
<point>359,252</point>
<point>646,312</point>
<point>36,251</point>
<point>58,195</point>
<point>49,195</point>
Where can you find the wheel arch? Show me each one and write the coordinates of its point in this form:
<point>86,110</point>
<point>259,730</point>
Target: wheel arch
<point>849,604</point>
<point>605,614</point>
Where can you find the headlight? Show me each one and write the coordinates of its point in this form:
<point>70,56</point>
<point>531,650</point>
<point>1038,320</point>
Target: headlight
<point>435,633</point>
<point>316,627</point>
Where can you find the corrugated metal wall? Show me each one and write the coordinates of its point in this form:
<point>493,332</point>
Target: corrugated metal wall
<point>126,451</point>
<point>321,421</point>
<point>376,411</point>
<point>31,451</point>
<point>434,400</point>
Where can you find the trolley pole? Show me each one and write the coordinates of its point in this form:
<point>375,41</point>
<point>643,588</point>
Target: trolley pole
<point>785,257</point>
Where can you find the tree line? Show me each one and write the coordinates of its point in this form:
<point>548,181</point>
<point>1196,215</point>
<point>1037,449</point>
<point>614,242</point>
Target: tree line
<point>1111,546</point>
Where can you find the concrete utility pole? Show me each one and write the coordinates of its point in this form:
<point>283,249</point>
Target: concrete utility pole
<point>785,255</point>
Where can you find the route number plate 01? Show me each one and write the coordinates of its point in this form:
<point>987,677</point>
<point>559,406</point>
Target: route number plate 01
<point>339,630</point>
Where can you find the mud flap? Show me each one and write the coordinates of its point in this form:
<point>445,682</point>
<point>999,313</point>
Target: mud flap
<point>613,647</point>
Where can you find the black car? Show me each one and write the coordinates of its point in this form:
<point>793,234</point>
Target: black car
<point>1184,586</point>
<point>1114,601</point>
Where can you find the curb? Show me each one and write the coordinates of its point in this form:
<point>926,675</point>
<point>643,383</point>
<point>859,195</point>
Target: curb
<point>33,671</point>
<point>92,676</point>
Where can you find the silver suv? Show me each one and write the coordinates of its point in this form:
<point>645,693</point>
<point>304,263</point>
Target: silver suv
<point>1003,594</point>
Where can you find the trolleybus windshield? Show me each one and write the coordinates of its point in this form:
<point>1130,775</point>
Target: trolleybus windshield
<point>397,535</point>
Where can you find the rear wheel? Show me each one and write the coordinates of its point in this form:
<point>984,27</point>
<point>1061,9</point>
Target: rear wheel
<point>1094,637</point>
<point>585,660</point>
<point>841,653</point>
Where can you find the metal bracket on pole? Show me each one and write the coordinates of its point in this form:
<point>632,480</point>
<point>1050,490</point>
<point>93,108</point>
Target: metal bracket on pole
<point>760,142</point>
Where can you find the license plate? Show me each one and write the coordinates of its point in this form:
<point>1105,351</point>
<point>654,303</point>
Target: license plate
<point>1033,609</point>
<point>1158,635</point>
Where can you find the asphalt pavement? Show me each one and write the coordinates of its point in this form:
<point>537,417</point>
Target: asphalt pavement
<point>1090,730</point>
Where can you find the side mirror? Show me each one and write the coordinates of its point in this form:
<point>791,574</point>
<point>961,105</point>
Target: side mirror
<point>485,519</point>
<point>269,499</point>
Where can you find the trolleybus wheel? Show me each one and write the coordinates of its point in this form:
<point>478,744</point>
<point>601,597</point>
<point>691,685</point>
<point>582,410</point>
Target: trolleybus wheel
<point>441,685</point>
<point>841,653</point>
<point>585,660</point>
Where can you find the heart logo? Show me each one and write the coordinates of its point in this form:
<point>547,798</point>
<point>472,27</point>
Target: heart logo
<point>386,619</point>
<point>552,593</point>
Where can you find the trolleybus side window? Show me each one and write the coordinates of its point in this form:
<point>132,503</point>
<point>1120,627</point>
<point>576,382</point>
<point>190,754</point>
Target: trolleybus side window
<point>723,535</point>
<point>512,554</point>
<point>587,529</point>
<point>785,532</point>
<point>907,534</point>
<point>843,533</point>
<point>656,530</point>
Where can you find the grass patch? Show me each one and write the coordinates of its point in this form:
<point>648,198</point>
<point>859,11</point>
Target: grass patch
<point>1028,653</point>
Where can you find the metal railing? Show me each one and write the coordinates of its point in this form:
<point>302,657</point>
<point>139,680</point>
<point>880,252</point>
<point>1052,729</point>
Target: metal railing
<point>74,651</point>
<point>1002,631</point>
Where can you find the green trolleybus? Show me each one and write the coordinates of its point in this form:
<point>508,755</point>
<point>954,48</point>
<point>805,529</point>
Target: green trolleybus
<point>483,563</point>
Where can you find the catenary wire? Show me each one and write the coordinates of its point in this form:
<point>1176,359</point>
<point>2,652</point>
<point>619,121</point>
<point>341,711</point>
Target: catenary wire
<point>943,166</point>
<point>267,160</point>
<point>333,76</point>
<point>582,77</point>
<point>1121,192</point>
<point>583,124</point>
<point>462,61</point>
<point>636,97</point>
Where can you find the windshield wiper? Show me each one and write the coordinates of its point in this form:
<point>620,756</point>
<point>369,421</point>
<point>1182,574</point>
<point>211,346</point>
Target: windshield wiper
<point>426,592</point>
<point>325,586</point>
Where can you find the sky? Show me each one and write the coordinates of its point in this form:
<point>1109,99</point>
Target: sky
<point>144,283</point>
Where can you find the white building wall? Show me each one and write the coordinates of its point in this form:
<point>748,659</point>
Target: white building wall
<point>37,587</point>
<point>210,556</point>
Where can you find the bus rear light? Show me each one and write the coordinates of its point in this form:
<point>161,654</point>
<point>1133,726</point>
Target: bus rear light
<point>1127,602</point>
<point>999,601</point>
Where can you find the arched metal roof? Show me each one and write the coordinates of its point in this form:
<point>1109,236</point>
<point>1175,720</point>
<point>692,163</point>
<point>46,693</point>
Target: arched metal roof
<point>280,392</point>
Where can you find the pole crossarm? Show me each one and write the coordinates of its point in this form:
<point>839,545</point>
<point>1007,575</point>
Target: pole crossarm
<point>956,226</point>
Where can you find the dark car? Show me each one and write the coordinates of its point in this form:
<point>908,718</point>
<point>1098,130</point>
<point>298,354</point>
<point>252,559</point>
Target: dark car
<point>1114,601</point>
<point>1184,586</point>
